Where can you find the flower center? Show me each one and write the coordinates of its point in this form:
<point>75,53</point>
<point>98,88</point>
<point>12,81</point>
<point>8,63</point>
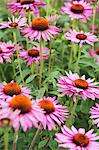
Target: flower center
<point>21,102</point>
<point>0,50</point>
<point>80,83</point>
<point>81,36</point>
<point>12,89</point>
<point>77,8</point>
<point>40,24</point>
<point>33,53</point>
<point>13,24</point>
<point>47,105</point>
<point>26,2</point>
<point>81,140</point>
<point>10,47</point>
<point>5,122</point>
<point>97,51</point>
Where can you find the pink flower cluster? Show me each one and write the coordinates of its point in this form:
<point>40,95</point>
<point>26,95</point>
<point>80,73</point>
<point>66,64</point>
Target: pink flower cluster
<point>18,109</point>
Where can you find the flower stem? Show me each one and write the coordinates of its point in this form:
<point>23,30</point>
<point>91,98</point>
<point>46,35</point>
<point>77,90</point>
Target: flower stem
<point>70,59</point>
<point>34,139</point>
<point>2,73</point>
<point>15,140</point>
<point>78,60</point>
<point>48,6</point>
<point>32,68</point>
<point>17,54</point>
<point>6,139</point>
<point>49,63</point>
<point>93,20</point>
<point>29,16</point>
<point>41,65</point>
<point>72,113</point>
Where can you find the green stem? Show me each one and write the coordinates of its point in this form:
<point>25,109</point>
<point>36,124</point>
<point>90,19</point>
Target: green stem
<point>62,56</point>
<point>34,138</point>
<point>48,7</point>
<point>29,16</point>
<point>6,139</point>
<point>93,20</point>
<point>17,54</point>
<point>74,24</point>
<point>49,66</point>
<point>41,65</point>
<point>78,60</point>
<point>2,73</point>
<point>13,66</point>
<point>70,59</point>
<point>70,122</point>
<point>49,63</point>
<point>32,68</point>
<point>15,140</point>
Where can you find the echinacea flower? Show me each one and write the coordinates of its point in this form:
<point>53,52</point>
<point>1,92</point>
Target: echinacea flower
<point>94,54</point>
<point>78,10</point>
<point>13,23</point>
<point>12,88</point>
<point>33,55</point>
<point>30,114</point>
<point>73,85</point>
<point>77,139</point>
<point>40,28</point>
<point>20,6</point>
<point>5,53</point>
<point>94,111</point>
<point>81,37</point>
<point>9,45</point>
<point>8,117</point>
<point>55,114</point>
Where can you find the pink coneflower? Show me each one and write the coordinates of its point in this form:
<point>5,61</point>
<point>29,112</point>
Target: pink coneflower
<point>9,45</point>
<point>20,6</point>
<point>13,23</point>
<point>73,85</point>
<point>81,37</point>
<point>30,114</point>
<point>33,55</point>
<point>8,117</point>
<point>77,139</point>
<point>94,54</point>
<point>40,28</point>
<point>55,114</point>
<point>94,111</point>
<point>12,88</point>
<point>5,53</point>
<point>78,10</point>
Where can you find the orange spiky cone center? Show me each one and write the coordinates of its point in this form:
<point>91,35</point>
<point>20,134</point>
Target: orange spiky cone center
<point>80,83</point>
<point>47,105</point>
<point>40,24</point>
<point>81,140</point>
<point>12,88</point>
<point>22,103</point>
<point>81,36</point>
<point>13,24</point>
<point>33,53</point>
<point>77,8</point>
<point>26,2</point>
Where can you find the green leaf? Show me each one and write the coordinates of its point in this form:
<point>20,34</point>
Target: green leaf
<point>30,78</point>
<point>42,144</point>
